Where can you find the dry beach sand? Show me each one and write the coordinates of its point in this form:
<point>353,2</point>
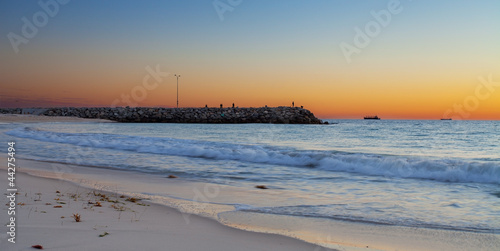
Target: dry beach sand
<point>44,210</point>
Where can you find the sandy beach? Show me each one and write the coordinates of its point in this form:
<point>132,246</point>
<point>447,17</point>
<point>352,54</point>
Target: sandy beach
<point>47,200</point>
<point>45,209</point>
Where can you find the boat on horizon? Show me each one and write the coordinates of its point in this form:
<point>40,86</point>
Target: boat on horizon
<point>446,119</point>
<point>372,117</point>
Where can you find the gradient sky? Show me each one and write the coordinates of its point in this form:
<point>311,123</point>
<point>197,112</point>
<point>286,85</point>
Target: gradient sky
<point>426,61</point>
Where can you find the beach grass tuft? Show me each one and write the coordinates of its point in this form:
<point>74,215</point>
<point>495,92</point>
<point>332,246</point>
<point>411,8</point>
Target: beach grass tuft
<point>77,217</point>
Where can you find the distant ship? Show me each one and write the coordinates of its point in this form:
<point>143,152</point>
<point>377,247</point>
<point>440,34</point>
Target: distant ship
<point>372,117</point>
<point>445,119</point>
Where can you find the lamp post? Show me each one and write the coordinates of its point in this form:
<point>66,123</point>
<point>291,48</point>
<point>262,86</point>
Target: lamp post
<point>178,76</point>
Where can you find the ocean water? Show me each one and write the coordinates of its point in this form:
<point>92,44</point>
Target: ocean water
<point>423,174</point>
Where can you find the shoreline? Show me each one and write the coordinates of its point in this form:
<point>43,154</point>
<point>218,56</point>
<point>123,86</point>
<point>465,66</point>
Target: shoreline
<point>175,194</point>
<point>44,203</point>
<point>338,235</point>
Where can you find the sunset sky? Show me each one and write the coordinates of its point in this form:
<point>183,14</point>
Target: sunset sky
<point>424,61</point>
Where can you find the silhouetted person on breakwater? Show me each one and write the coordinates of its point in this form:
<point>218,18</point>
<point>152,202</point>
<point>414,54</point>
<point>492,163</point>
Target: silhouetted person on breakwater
<point>233,105</point>
<point>220,106</point>
<point>293,104</point>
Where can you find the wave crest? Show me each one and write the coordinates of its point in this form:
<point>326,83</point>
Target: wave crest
<point>446,170</point>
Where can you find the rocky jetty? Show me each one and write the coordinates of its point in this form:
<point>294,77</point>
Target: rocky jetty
<point>275,115</point>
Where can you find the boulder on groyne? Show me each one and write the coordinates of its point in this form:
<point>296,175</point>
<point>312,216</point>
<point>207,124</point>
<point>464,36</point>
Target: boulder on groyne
<point>275,115</point>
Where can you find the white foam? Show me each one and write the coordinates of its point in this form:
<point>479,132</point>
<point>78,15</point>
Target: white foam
<point>447,170</point>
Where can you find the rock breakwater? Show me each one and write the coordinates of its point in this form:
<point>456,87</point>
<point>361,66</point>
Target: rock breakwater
<point>275,115</point>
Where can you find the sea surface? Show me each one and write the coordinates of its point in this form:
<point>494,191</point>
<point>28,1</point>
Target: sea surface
<point>423,174</point>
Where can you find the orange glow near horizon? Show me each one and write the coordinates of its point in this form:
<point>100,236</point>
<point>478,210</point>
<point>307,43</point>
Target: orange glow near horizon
<point>345,93</point>
<point>387,100</point>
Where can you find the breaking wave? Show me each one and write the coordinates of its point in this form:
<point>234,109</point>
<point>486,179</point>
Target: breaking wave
<point>445,170</point>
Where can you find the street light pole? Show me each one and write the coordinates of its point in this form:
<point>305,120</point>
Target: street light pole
<point>178,76</point>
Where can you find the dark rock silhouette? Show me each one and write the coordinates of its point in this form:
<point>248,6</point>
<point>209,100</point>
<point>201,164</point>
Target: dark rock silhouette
<point>275,115</point>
